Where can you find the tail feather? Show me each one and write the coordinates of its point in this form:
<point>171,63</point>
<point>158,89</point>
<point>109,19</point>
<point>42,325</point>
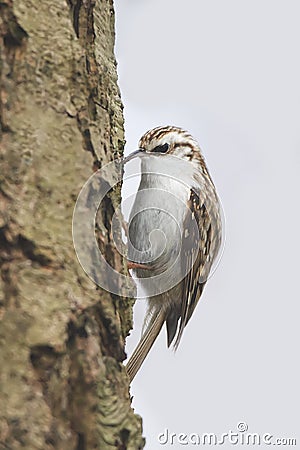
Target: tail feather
<point>145,344</point>
<point>172,323</point>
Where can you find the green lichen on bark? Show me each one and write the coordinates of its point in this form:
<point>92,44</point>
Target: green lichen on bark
<point>62,382</point>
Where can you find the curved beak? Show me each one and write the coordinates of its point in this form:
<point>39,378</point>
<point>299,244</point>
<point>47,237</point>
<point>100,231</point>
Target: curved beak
<point>132,155</point>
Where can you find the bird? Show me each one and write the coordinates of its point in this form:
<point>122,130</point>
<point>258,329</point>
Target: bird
<point>174,233</point>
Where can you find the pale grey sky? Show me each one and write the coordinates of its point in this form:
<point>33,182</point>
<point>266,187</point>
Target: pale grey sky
<point>229,73</point>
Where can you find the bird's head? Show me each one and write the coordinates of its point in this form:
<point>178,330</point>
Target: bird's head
<point>168,140</point>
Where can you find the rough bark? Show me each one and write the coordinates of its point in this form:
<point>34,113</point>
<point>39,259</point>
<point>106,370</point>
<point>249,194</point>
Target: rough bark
<point>62,382</point>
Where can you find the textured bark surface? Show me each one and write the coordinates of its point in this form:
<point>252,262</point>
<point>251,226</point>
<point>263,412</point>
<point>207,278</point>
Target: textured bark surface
<point>62,382</point>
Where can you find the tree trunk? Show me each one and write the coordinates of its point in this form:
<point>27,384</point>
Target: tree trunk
<point>62,382</point>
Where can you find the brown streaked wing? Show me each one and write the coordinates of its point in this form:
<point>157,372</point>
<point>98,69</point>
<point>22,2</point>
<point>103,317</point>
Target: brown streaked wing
<point>193,258</point>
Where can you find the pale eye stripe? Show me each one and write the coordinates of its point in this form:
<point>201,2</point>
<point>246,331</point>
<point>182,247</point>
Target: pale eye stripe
<point>184,144</point>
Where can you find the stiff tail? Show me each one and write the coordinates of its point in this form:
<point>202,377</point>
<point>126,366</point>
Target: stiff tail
<point>145,344</point>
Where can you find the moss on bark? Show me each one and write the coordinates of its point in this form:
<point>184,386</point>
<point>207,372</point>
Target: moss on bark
<point>62,382</point>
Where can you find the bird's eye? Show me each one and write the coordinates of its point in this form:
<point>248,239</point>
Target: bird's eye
<point>161,148</point>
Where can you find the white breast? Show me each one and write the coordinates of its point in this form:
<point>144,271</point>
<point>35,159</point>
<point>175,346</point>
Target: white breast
<point>159,209</point>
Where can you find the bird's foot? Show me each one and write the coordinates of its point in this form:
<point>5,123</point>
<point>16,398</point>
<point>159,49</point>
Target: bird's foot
<point>133,265</point>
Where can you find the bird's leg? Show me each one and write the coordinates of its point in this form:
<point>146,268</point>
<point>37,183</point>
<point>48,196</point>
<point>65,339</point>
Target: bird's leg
<point>133,265</point>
